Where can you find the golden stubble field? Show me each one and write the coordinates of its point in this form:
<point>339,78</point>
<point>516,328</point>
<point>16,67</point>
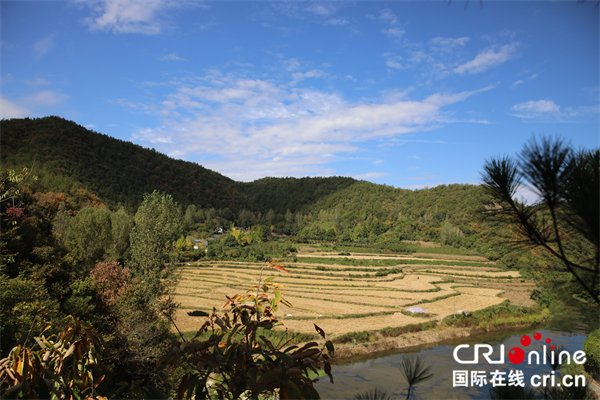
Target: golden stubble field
<point>337,302</point>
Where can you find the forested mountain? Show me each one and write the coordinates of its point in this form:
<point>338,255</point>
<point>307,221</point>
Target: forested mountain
<point>69,156</point>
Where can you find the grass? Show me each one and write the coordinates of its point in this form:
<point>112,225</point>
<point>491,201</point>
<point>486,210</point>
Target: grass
<point>498,317</point>
<point>371,335</point>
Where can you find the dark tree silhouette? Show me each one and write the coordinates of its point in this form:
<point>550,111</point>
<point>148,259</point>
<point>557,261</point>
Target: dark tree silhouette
<point>567,182</point>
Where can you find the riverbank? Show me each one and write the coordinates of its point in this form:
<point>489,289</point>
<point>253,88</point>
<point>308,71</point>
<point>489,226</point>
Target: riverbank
<point>432,336</point>
<point>496,318</point>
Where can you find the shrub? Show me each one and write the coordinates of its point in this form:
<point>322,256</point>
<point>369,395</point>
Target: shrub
<point>591,347</point>
<point>545,297</point>
<point>111,281</point>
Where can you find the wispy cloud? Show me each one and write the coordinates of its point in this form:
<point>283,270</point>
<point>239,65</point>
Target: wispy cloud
<point>549,111</point>
<point>392,60</point>
<point>128,16</point>
<point>388,16</point>
<point>46,98</point>
<point>394,33</point>
<point>315,73</point>
<point>446,45</point>
<point>370,175</point>
<point>520,82</point>
<point>392,30</point>
<point>487,59</point>
<point>278,129</point>
<point>43,46</point>
<point>8,109</point>
<point>338,21</point>
<point>172,57</point>
<point>37,82</point>
<point>323,9</point>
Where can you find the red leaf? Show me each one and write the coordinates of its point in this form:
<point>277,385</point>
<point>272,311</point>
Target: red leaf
<point>278,268</point>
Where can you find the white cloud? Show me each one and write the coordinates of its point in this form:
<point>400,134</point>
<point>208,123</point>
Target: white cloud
<point>540,106</point>
<point>37,82</point>
<point>337,21</point>
<point>519,82</point>
<point>393,61</point>
<point>321,9</point>
<point>370,175</point>
<point>291,64</point>
<point>243,65</point>
<point>43,46</point>
<point>527,195</point>
<point>394,33</point>
<point>90,126</point>
<point>447,44</point>
<point>548,111</point>
<point>315,73</point>
<point>45,98</point>
<point>128,16</point>
<point>8,109</point>
<point>393,64</point>
<point>414,157</point>
<point>388,16</point>
<point>251,128</point>
<point>487,59</point>
<point>172,57</point>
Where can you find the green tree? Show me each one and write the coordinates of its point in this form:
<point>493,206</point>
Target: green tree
<point>567,182</point>
<point>89,235</point>
<point>157,223</point>
<point>60,224</point>
<point>122,223</point>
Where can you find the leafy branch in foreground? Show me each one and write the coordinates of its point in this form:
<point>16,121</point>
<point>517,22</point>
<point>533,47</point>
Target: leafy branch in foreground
<point>567,182</point>
<point>236,361</point>
<point>66,366</point>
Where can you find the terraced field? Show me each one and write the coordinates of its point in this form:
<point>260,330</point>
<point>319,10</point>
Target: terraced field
<point>345,298</point>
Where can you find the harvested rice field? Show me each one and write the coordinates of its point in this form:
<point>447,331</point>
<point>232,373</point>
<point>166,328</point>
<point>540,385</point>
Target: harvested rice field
<point>343,298</point>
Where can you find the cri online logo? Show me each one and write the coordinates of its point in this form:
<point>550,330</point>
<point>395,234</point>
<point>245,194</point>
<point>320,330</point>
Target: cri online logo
<point>516,355</point>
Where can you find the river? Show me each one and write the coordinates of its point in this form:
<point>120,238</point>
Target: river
<point>380,370</point>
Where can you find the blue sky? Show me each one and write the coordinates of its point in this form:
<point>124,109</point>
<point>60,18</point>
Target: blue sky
<point>408,94</point>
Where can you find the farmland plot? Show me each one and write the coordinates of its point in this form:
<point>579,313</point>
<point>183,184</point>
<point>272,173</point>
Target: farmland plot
<point>342,298</point>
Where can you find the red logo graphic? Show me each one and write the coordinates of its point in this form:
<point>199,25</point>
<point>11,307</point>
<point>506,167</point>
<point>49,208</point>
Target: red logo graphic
<point>516,355</point>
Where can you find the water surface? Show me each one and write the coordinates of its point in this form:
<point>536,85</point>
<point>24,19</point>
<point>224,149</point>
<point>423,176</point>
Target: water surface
<point>380,370</point>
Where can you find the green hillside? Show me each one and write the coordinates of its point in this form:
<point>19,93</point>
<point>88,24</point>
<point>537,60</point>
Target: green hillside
<point>68,156</point>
